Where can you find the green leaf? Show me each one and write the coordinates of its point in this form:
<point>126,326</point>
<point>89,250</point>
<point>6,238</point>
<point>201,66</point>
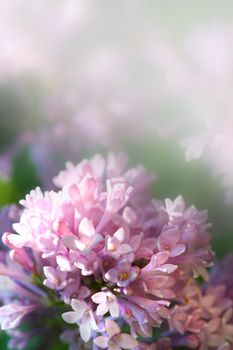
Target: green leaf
<point>3,340</point>
<point>24,176</point>
<point>6,192</point>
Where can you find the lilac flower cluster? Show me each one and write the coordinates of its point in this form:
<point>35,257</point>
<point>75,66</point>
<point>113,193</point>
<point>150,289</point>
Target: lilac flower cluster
<point>111,265</point>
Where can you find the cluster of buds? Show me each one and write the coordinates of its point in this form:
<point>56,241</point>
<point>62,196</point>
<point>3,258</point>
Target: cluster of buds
<point>102,265</point>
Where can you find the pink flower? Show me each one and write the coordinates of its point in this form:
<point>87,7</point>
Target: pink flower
<point>115,340</point>
<point>218,332</point>
<point>159,263</point>
<point>123,274</point>
<point>205,314</point>
<point>175,208</point>
<point>116,245</point>
<point>107,302</point>
<point>189,237</point>
<point>87,237</point>
<point>74,290</point>
<point>170,240</point>
<point>88,263</point>
<point>118,194</point>
<point>74,174</point>
<point>102,245</point>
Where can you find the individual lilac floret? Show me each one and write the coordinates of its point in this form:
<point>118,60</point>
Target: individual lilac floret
<point>107,303</point>
<point>123,274</point>
<point>115,245</point>
<point>83,316</point>
<point>115,340</point>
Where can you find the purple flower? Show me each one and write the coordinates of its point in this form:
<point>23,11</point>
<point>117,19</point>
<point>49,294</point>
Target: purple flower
<point>19,340</point>
<point>12,314</point>
<point>8,215</point>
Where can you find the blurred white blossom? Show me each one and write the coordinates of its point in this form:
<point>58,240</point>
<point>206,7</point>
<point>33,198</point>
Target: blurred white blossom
<point>200,76</point>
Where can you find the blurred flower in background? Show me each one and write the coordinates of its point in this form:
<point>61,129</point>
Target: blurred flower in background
<point>88,76</point>
<point>201,75</point>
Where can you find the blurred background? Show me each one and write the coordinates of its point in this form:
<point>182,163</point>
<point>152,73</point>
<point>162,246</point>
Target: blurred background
<point>151,78</point>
